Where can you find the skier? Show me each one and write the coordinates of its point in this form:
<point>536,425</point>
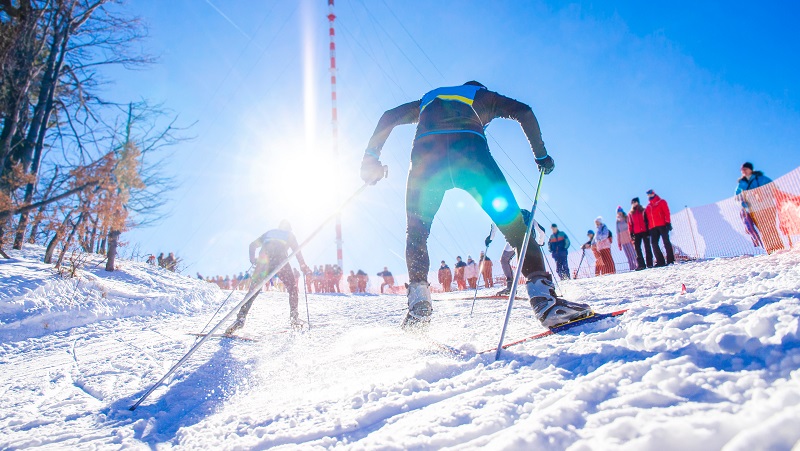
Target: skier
<point>275,245</point>
<point>505,264</point>
<point>559,249</point>
<point>450,151</point>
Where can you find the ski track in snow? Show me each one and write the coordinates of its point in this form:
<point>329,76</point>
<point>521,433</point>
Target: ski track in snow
<point>716,368</point>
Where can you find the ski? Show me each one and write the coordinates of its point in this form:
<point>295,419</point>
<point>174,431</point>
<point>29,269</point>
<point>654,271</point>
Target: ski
<point>235,337</point>
<point>561,328</point>
<point>479,297</point>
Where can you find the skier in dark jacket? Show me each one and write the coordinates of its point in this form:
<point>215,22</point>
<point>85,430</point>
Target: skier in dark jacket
<point>275,246</point>
<point>759,207</point>
<point>450,151</point>
<point>559,249</point>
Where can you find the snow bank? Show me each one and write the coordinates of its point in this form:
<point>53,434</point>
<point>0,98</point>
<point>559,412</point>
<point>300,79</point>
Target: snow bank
<point>36,300</point>
<point>715,368</point>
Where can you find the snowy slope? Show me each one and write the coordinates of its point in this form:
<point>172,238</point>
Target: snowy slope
<point>716,368</point>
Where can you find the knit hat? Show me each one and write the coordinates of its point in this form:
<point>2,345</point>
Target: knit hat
<point>650,191</point>
<point>591,232</point>
<point>553,226</point>
<point>598,219</point>
<point>635,199</point>
<point>619,209</point>
<point>748,165</point>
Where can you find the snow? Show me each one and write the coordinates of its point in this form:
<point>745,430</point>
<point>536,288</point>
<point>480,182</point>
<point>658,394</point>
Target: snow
<point>715,368</point>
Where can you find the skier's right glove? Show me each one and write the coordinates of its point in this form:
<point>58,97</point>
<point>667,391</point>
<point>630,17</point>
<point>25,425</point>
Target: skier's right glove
<point>546,164</point>
<point>371,168</point>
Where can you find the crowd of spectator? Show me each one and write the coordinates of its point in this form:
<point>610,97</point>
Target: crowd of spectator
<point>170,262</point>
<point>324,279</point>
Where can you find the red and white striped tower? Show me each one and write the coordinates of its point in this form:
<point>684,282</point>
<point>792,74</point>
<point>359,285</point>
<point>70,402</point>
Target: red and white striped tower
<point>335,123</point>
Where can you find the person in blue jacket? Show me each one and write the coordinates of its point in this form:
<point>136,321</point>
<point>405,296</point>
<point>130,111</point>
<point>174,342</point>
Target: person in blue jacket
<point>758,207</point>
<point>450,151</point>
<point>559,249</point>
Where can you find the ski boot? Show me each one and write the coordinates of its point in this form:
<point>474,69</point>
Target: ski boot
<point>419,307</point>
<point>505,291</point>
<point>549,309</point>
<point>295,322</point>
<point>238,324</point>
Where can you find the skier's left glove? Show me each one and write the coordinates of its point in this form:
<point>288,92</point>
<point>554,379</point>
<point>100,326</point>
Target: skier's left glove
<point>372,170</point>
<point>669,226</point>
<point>546,164</point>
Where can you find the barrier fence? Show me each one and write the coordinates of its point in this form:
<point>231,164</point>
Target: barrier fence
<point>761,220</point>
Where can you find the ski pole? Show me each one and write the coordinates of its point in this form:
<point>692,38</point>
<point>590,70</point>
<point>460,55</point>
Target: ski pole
<point>254,289</point>
<point>480,266</point>
<point>522,253</point>
<point>583,255</point>
<point>220,307</point>
<point>305,292</point>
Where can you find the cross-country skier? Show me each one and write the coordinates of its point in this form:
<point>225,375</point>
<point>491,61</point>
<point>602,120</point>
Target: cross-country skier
<point>275,246</point>
<point>450,151</point>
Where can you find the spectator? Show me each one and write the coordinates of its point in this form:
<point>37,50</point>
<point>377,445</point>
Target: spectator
<point>559,249</point>
<point>603,239</point>
<point>151,259</point>
<point>352,282</point>
<point>460,281</point>
<point>759,206</point>
<point>171,263</point>
<point>445,277</point>
<point>200,277</point>
<point>486,270</point>
<point>471,273</point>
<point>658,219</point>
<point>505,264</point>
<point>388,278</point>
<point>317,276</point>
<point>638,227</point>
<point>337,278</point>
<point>363,280</point>
<point>161,260</point>
<point>598,260</point>
<point>624,241</point>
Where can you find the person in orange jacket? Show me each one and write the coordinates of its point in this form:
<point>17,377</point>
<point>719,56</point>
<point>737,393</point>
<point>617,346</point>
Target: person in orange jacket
<point>486,270</point>
<point>445,277</point>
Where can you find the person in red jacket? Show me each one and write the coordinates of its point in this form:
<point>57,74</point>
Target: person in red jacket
<point>638,226</point>
<point>658,219</point>
<point>445,277</point>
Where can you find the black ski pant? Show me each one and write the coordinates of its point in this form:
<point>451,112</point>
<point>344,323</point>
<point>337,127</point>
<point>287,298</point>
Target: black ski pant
<point>265,266</point>
<point>562,264</point>
<point>663,233</point>
<point>638,240</point>
<point>459,160</point>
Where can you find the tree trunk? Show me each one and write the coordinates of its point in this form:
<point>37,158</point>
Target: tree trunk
<point>51,246</point>
<point>37,219</point>
<point>113,238</point>
<point>34,142</point>
<point>69,241</point>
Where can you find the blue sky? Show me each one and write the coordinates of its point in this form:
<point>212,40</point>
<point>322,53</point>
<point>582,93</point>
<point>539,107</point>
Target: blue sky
<point>629,95</point>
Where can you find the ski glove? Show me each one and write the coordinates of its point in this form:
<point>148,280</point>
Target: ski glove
<point>546,164</point>
<point>371,169</point>
<point>669,226</point>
